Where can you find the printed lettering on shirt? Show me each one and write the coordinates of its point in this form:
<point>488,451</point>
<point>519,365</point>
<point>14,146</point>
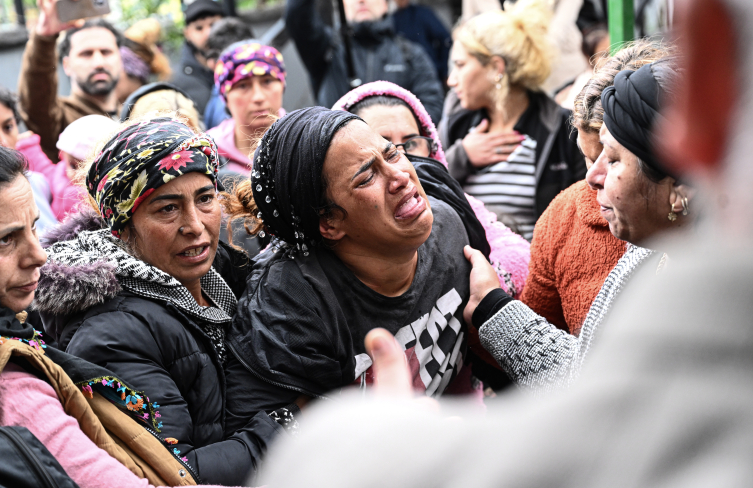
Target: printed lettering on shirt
<point>394,68</point>
<point>432,344</point>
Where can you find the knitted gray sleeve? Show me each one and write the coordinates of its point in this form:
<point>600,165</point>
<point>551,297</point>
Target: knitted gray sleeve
<point>536,354</point>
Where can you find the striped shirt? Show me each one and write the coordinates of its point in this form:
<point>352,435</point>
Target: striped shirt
<point>509,188</point>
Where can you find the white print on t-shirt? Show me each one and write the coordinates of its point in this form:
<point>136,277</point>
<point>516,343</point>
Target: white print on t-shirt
<point>432,345</point>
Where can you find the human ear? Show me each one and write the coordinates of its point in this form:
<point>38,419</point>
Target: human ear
<point>66,66</point>
<point>498,65</point>
<point>330,229</point>
<point>677,194</point>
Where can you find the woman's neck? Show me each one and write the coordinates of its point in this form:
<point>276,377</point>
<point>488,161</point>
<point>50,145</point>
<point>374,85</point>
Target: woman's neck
<point>389,276</point>
<point>503,118</point>
<point>244,140</point>
<point>195,290</point>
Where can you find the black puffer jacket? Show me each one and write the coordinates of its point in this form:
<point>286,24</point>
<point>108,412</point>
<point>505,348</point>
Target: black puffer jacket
<point>158,348</point>
<point>378,54</point>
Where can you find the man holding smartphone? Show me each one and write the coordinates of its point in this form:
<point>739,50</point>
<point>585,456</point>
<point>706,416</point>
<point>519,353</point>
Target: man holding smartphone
<point>90,56</point>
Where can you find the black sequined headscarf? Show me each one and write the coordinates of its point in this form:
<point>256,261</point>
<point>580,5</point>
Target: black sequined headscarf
<point>287,174</point>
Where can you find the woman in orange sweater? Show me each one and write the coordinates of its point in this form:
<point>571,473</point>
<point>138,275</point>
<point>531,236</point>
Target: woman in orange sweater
<point>573,251</point>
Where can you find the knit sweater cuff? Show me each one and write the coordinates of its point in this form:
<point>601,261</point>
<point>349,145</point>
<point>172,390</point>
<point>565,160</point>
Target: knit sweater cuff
<point>492,303</point>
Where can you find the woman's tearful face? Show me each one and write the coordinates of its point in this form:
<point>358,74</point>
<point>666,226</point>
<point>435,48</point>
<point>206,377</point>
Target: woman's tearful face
<point>376,185</point>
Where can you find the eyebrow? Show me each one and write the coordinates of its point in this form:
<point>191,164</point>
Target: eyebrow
<point>9,119</point>
<point>9,230</point>
<point>177,196</point>
<point>410,136</point>
<point>368,164</point>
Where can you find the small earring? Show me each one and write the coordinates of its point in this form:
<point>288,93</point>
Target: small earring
<point>498,81</point>
<point>672,215</point>
<point>685,206</point>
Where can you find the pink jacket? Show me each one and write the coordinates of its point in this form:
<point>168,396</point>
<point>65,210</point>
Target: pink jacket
<point>224,136</point>
<point>27,401</point>
<point>510,253</point>
<point>65,195</point>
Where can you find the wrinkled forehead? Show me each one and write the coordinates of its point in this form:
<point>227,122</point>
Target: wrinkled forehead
<point>352,146</point>
<point>17,200</point>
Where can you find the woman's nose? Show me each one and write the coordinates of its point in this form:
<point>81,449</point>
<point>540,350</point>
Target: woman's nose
<point>398,175</point>
<point>35,255</point>
<point>597,172</point>
<point>192,224</point>
<point>451,79</point>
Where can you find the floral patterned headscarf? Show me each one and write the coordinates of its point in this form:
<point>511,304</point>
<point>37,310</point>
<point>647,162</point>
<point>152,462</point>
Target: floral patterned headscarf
<point>246,59</point>
<point>142,158</point>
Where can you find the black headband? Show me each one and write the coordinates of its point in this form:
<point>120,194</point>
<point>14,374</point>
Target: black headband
<point>631,109</point>
<point>287,173</point>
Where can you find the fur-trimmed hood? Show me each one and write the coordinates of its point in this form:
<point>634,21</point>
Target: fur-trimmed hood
<point>87,266</point>
<point>64,289</point>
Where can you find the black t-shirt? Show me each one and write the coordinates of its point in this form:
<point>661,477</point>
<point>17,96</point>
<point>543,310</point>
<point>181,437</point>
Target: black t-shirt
<point>302,322</point>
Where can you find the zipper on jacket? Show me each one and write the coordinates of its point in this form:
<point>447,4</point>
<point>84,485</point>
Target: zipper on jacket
<point>184,463</point>
<point>281,385</point>
<point>42,474</point>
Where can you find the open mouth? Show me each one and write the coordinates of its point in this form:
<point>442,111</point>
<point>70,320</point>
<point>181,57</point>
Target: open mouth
<point>193,252</point>
<point>410,206</point>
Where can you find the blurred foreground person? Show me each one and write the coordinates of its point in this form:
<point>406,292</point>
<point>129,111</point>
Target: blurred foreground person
<point>666,399</point>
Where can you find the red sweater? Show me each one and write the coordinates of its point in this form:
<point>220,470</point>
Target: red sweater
<point>572,253</point>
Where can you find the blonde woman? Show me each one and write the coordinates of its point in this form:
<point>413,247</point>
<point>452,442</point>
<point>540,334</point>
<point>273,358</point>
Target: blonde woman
<point>510,145</point>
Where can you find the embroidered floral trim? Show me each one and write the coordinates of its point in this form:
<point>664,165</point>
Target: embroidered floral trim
<point>124,397</point>
<point>36,341</point>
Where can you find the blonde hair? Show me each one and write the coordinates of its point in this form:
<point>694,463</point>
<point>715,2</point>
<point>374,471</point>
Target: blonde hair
<point>588,114</point>
<point>519,36</point>
<point>167,101</point>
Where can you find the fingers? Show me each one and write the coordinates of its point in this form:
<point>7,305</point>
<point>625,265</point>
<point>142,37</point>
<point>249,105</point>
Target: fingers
<point>475,256</point>
<point>392,377</point>
<point>483,126</point>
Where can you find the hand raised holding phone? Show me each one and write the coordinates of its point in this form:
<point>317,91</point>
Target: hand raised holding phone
<point>56,16</point>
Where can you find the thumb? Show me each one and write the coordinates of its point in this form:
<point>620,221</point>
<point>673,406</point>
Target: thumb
<point>392,377</point>
<point>483,126</point>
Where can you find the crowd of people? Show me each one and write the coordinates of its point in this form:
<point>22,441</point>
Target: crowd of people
<point>446,273</point>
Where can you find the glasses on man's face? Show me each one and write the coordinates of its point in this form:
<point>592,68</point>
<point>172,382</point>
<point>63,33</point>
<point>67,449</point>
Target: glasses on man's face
<point>417,146</point>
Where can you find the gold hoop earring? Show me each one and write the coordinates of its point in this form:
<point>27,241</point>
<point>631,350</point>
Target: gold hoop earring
<point>672,215</point>
<point>685,206</point>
